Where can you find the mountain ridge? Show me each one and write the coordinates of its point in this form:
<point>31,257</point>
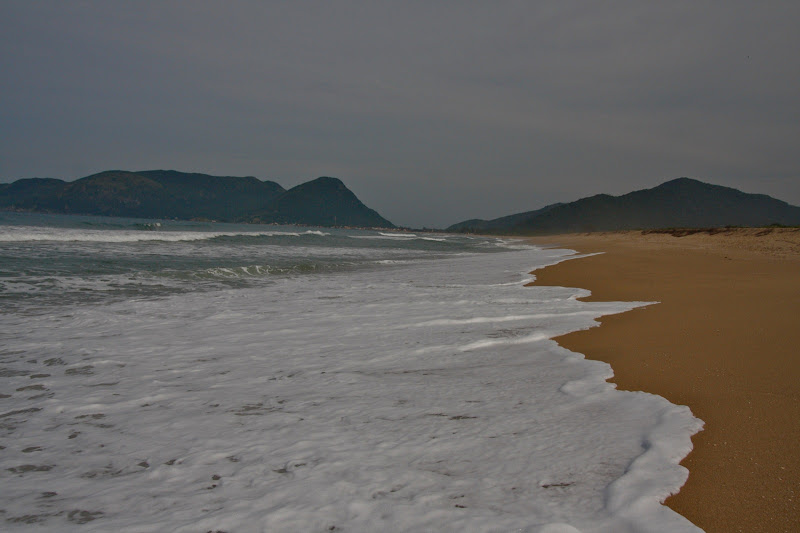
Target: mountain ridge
<point>681,202</point>
<point>170,194</point>
<point>321,202</point>
<point>474,225</point>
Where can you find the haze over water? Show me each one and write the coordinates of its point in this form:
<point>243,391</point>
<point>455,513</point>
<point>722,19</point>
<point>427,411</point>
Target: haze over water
<point>177,376</point>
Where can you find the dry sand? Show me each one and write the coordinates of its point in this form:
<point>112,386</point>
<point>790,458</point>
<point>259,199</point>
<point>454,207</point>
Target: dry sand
<point>725,340</point>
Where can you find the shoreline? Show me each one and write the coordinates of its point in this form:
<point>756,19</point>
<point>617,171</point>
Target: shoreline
<point>724,339</point>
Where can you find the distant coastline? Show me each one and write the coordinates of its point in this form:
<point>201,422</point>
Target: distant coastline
<point>327,202</point>
<point>679,203</point>
<point>169,194</point>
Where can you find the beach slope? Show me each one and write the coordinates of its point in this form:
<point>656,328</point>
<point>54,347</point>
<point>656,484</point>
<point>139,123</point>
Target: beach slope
<point>724,340</point>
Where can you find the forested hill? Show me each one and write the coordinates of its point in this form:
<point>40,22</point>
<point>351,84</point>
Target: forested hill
<point>169,194</point>
<point>679,203</point>
<point>322,202</point>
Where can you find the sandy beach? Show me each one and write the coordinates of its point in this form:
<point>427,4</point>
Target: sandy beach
<point>724,340</point>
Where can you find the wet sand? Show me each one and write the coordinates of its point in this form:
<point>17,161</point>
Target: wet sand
<point>724,340</point>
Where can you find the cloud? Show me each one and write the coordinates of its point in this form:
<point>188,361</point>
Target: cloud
<point>434,112</point>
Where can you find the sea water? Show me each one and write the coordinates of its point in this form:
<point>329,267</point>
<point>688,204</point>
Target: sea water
<point>190,377</point>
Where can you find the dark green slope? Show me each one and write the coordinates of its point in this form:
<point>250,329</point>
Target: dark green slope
<point>181,195</point>
<point>146,194</point>
<point>682,202</point>
<point>477,225</point>
<point>30,194</point>
<point>112,193</point>
<point>321,202</point>
<point>195,195</point>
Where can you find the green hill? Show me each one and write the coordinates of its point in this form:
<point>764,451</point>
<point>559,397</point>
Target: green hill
<point>181,195</point>
<point>477,225</point>
<point>322,202</point>
<point>682,202</point>
<point>31,194</point>
<point>214,197</point>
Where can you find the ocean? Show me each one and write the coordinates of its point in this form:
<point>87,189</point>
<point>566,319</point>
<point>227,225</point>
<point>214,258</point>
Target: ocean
<point>190,377</point>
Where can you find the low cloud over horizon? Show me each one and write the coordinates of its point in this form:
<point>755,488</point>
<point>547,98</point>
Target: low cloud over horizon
<point>430,113</point>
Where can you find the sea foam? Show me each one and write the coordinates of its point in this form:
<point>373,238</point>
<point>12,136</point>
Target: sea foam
<point>422,396</point>
<point>33,234</point>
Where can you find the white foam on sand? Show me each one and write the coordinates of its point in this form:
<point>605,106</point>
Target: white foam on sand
<point>430,398</point>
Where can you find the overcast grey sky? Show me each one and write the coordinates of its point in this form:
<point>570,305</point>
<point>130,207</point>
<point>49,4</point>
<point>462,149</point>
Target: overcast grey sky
<point>431,112</point>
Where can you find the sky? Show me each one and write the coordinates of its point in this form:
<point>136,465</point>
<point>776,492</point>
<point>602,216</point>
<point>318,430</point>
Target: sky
<point>431,112</point>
